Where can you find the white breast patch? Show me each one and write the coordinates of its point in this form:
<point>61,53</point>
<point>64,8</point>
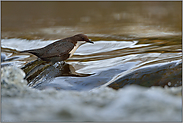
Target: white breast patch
<point>79,43</point>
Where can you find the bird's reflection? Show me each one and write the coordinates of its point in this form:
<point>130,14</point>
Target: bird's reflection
<point>40,71</point>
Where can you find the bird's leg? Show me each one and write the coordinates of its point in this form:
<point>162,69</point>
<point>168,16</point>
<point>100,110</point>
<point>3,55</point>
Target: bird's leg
<point>61,63</point>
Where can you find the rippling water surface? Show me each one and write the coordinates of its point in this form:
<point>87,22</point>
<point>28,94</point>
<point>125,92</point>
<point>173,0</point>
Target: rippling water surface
<point>134,43</point>
<point>127,36</point>
<point>104,59</point>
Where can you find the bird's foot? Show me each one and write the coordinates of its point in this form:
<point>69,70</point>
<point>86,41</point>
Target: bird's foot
<point>59,63</point>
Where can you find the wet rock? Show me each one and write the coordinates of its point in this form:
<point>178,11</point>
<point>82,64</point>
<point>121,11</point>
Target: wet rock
<point>131,103</point>
<point>64,76</point>
<point>169,74</point>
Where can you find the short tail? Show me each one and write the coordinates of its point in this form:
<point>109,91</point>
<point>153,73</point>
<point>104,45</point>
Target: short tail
<point>25,51</point>
<point>30,51</point>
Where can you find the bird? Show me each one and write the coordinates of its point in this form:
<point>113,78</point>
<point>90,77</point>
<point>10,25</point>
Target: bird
<point>60,50</point>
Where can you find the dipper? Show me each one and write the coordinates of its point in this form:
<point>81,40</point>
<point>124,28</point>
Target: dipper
<point>61,49</point>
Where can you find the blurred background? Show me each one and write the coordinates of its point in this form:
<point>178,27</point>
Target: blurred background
<point>138,43</point>
<point>59,19</point>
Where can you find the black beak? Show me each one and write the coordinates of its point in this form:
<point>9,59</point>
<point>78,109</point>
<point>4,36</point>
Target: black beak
<point>89,41</point>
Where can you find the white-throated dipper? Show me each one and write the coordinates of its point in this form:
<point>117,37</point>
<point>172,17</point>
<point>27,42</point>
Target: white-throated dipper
<point>61,49</point>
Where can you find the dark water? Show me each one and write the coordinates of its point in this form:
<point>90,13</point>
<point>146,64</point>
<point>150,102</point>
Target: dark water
<point>131,38</point>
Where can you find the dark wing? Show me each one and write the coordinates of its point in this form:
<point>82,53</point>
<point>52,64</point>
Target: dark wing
<point>57,49</point>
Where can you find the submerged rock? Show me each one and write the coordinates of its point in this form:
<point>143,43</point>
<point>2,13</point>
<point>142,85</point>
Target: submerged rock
<point>169,74</point>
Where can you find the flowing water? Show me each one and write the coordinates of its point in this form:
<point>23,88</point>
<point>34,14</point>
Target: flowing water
<point>98,63</point>
<point>134,43</point>
<point>125,39</point>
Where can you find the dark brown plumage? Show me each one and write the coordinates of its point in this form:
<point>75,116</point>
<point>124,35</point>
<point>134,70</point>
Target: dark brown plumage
<point>61,49</point>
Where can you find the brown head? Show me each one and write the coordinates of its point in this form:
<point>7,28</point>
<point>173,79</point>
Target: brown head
<point>80,38</point>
